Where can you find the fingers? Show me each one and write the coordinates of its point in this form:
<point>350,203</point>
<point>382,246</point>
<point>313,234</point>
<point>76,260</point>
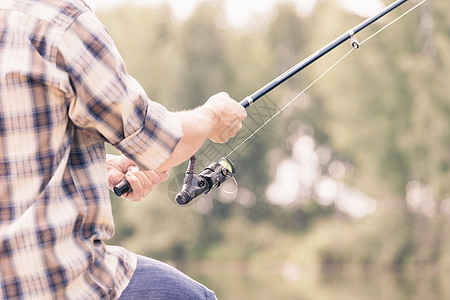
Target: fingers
<point>163,175</point>
<point>140,184</point>
<point>232,106</point>
<point>143,182</point>
<point>230,115</point>
<point>228,132</point>
<point>117,166</point>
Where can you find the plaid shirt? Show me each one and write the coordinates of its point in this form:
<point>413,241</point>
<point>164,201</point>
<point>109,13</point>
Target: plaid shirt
<point>64,92</point>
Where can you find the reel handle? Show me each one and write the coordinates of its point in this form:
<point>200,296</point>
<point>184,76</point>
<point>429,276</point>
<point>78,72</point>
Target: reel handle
<point>122,187</point>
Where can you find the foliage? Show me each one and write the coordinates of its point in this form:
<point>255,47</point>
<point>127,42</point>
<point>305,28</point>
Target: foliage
<point>382,113</point>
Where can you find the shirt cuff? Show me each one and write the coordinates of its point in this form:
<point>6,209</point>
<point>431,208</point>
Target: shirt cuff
<point>153,144</point>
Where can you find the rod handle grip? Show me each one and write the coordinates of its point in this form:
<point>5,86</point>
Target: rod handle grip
<point>122,187</point>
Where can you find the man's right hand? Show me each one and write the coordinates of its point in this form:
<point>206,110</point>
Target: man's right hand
<point>219,119</point>
<point>227,117</point>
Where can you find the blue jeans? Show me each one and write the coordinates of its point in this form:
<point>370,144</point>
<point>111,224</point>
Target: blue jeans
<point>156,280</point>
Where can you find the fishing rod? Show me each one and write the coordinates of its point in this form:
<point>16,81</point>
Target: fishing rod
<point>350,34</point>
<point>217,172</point>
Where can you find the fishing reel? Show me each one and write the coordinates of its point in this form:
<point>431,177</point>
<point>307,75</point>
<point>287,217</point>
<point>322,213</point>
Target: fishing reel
<point>217,172</point>
<point>194,185</point>
<point>212,176</point>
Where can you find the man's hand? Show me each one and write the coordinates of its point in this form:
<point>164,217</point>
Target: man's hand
<point>219,119</point>
<point>142,182</point>
<point>227,117</point>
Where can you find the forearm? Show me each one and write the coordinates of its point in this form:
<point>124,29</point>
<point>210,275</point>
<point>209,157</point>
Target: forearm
<point>218,119</point>
<point>197,125</point>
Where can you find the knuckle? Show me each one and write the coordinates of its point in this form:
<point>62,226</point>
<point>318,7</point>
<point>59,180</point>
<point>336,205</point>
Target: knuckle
<point>223,94</point>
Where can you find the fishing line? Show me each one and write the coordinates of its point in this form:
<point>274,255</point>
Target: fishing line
<point>219,171</point>
<point>290,102</point>
<point>355,45</point>
<point>395,20</point>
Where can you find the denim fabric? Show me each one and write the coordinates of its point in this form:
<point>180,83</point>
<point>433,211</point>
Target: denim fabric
<point>156,280</point>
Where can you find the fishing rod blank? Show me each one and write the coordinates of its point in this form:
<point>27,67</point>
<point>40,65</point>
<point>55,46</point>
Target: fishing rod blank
<point>124,187</point>
<point>246,102</point>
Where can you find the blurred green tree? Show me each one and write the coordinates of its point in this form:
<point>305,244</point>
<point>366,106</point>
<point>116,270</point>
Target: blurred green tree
<point>383,111</point>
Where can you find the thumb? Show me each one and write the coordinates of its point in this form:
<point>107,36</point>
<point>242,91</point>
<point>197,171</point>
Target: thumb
<point>132,169</point>
<point>164,175</point>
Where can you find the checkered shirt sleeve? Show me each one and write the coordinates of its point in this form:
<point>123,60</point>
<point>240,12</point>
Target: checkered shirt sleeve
<point>110,102</point>
<point>64,92</point>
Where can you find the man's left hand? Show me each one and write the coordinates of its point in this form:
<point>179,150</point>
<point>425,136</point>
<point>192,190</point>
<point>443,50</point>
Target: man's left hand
<point>141,182</point>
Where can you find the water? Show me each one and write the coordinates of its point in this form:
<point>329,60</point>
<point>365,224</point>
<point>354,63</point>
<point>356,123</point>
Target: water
<point>268,282</point>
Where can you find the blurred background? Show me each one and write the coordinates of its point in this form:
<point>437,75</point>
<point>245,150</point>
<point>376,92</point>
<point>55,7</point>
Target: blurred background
<point>346,194</point>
